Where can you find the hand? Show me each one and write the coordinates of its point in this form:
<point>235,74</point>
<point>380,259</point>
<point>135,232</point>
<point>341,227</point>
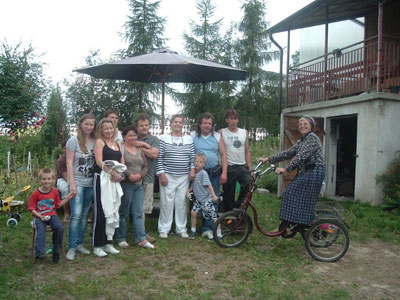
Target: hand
<point>280,170</point>
<point>215,198</point>
<point>163,179</point>
<point>192,174</point>
<point>72,189</point>
<point>263,159</point>
<point>116,177</point>
<point>187,194</point>
<point>223,178</point>
<point>134,177</point>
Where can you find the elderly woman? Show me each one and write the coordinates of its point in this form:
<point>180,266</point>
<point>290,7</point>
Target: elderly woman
<point>133,198</point>
<point>175,168</point>
<point>301,195</point>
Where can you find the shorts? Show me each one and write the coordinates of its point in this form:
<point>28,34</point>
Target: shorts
<point>63,187</point>
<point>207,208</point>
<point>148,197</point>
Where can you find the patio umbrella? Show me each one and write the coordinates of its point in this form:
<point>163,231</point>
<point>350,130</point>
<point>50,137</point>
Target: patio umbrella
<point>163,66</point>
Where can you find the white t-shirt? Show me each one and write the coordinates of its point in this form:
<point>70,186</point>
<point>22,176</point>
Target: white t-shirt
<point>235,144</point>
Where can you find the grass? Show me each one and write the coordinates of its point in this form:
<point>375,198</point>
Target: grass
<point>262,268</point>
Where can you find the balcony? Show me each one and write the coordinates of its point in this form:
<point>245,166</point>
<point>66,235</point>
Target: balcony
<point>345,72</point>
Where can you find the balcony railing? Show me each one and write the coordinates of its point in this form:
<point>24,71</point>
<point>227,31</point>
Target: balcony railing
<point>349,71</point>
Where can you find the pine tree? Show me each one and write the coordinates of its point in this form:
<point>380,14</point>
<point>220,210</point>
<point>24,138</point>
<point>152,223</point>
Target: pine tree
<point>254,104</point>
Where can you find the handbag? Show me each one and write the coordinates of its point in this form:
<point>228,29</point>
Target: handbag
<point>215,171</point>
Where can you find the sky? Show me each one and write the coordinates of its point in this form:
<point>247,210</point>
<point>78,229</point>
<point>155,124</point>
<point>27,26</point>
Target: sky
<point>63,32</point>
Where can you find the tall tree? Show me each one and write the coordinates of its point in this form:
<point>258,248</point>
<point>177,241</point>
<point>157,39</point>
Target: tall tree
<point>143,32</point>
<point>23,86</point>
<point>55,129</point>
<point>205,42</point>
<point>252,49</point>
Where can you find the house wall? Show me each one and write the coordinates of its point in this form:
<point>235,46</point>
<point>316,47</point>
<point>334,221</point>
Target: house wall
<point>378,124</point>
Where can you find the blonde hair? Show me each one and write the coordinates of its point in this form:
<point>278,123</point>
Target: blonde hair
<point>201,155</point>
<point>79,135</point>
<point>46,171</point>
<point>99,132</point>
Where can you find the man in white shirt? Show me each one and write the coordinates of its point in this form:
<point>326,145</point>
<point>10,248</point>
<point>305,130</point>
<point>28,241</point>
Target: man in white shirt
<point>239,160</point>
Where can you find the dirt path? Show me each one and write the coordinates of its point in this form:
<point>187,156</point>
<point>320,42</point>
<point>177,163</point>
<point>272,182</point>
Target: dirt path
<point>371,269</point>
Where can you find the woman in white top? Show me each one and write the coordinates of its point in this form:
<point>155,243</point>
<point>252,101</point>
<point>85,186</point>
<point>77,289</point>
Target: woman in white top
<point>175,168</point>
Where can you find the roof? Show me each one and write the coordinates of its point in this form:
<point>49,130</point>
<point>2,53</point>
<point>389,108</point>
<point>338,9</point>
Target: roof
<point>339,10</point>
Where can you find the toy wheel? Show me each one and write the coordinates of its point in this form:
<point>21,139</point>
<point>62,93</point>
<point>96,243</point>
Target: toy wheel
<point>327,240</point>
<point>12,222</point>
<point>16,216</point>
<point>235,229</point>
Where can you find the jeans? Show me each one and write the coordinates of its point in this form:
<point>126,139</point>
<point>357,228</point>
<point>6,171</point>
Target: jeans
<point>131,202</point>
<point>79,214</point>
<point>208,224</point>
<point>58,230</point>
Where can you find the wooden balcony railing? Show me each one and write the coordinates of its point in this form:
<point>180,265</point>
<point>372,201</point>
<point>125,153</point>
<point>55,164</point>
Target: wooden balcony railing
<point>349,71</point>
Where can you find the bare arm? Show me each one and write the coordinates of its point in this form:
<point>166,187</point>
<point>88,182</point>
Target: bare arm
<point>224,160</point>
<point>214,197</point>
<point>247,153</point>
<point>70,171</point>
<point>147,149</point>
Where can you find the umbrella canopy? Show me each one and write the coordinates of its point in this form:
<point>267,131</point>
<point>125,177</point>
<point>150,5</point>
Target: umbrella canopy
<point>163,66</point>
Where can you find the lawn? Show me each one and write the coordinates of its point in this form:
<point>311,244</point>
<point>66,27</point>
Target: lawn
<point>262,268</point>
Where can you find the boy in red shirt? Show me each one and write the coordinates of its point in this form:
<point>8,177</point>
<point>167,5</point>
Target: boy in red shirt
<point>43,203</point>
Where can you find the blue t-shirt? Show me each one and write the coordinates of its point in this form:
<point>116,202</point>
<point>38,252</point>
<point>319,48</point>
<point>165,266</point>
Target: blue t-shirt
<point>208,146</point>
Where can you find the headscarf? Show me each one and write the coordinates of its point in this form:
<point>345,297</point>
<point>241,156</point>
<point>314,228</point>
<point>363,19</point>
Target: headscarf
<point>310,120</point>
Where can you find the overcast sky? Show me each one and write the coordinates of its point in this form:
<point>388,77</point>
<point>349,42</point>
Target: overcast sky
<point>65,31</point>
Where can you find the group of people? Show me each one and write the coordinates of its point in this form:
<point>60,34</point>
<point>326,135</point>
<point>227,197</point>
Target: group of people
<point>116,171</point>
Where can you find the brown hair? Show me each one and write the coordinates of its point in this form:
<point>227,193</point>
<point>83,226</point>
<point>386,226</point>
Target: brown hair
<point>142,117</point>
<point>79,135</point>
<point>231,113</point>
<point>109,112</point>
<point>174,117</point>
<point>205,115</point>
<point>99,133</point>
<point>202,155</point>
<point>127,129</point>
<point>46,171</point>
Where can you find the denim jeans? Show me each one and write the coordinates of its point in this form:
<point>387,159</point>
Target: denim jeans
<point>208,224</point>
<point>79,214</point>
<point>131,202</point>
<point>58,230</point>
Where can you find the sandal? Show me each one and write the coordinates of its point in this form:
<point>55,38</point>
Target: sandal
<point>147,245</point>
<point>123,245</point>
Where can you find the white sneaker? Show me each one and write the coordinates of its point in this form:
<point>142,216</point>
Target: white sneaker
<point>208,234</point>
<point>82,249</point>
<point>99,252</point>
<point>110,249</point>
<point>184,235</point>
<point>163,235</point>
<point>70,254</point>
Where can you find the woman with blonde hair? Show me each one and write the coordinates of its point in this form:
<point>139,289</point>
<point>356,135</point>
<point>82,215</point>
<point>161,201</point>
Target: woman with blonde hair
<point>106,149</point>
<point>80,161</point>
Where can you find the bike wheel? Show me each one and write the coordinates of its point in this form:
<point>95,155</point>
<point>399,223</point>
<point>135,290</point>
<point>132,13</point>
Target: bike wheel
<point>12,222</point>
<point>327,240</point>
<point>235,229</point>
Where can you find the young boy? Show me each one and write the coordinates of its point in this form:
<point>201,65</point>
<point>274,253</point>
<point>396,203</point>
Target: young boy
<point>204,194</point>
<point>43,203</point>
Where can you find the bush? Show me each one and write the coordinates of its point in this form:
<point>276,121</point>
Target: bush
<point>263,148</point>
<point>391,184</point>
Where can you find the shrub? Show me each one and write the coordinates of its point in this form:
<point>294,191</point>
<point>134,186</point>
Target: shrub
<point>263,148</point>
<point>391,184</point>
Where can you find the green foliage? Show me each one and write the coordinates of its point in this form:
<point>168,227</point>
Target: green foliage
<point>263,148</point>
<point>391,184</point>
<point>22,85</point>
<point>257,100</point>
<point>55,129</point>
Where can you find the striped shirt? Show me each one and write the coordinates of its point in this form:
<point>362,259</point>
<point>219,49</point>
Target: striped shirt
<point>176,155</point>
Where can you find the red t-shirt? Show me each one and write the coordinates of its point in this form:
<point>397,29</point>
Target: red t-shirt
<point>45,203</point>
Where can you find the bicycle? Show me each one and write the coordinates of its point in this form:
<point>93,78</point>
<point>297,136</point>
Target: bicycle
<point>9,202</point>
<point>326,239</point>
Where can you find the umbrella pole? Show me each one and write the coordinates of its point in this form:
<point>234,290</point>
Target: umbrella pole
<point>162,107</point>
